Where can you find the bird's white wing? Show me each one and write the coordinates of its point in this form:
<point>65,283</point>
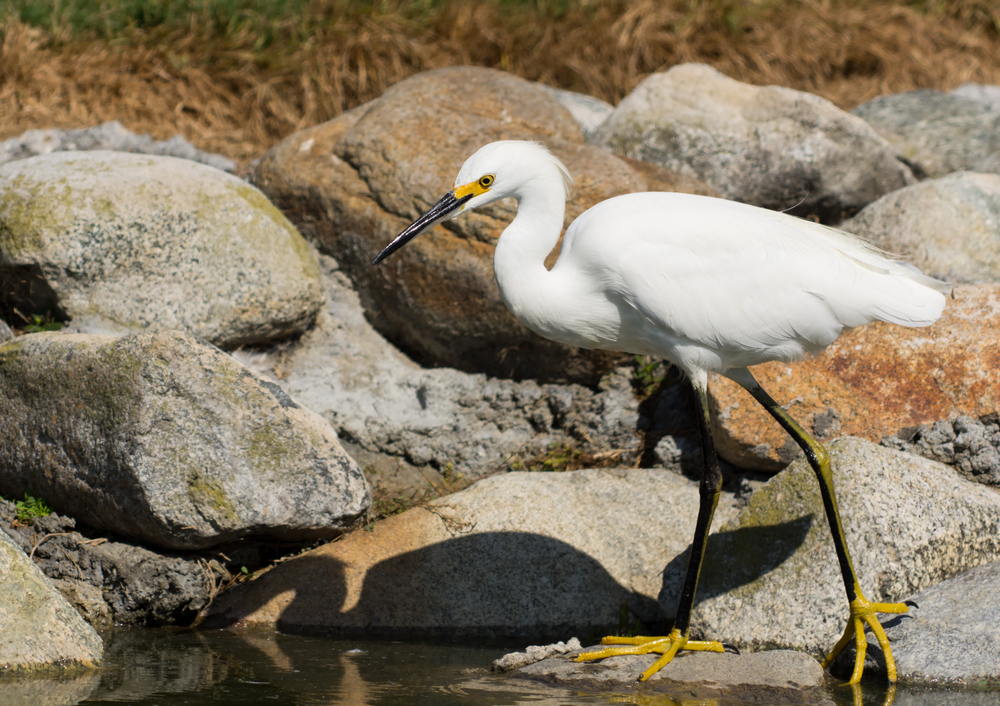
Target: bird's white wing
<point>734,278</point>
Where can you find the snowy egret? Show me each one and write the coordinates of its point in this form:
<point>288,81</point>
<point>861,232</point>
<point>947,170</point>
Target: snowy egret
<point>708,284</point>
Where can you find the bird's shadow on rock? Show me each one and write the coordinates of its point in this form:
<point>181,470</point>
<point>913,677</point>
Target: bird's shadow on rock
<point>736,558</point>
<point>485,585</point>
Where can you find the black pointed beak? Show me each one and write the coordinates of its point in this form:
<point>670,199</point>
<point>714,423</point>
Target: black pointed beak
<point>437,213</point>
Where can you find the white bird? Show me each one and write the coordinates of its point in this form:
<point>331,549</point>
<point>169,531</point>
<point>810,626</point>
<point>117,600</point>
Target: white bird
<point>705,283</point>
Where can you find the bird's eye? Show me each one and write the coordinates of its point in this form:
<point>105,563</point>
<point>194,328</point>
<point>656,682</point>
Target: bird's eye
<point>486,181</point>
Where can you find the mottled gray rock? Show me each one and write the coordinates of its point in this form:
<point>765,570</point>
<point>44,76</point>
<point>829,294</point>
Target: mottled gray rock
<point>949,227</point>
<point>534,653</point>
<point>5,333</point>
<point>950,636</point>
<point>409,423</point>
<point>113,583</point>
<point>983,93</point>
<point>768,146</point>
<point>168,441</point>
<point>122,242</point>
<point>588,111</point>
<point>38,628</point>
<point>971,446</point>
<point>935,132</point>
<point>771,577</point>
<point>774,677</point>
<point>536,554</point>
<point>106,136</point>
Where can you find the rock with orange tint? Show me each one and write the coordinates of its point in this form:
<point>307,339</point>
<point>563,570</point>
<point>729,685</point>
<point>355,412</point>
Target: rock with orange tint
<point>515,554</point>
<point>872,382</point>
<point>353,183</point>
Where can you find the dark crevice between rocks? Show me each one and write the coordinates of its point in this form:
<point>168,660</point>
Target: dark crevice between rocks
<point>25,293</point>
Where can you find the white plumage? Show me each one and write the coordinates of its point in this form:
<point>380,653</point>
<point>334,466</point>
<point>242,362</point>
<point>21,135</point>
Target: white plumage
<point>705,283</point>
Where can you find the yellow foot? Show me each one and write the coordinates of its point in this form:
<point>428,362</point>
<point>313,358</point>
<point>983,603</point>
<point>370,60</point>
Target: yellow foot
<point>862,613</point>
<point>667,646</point>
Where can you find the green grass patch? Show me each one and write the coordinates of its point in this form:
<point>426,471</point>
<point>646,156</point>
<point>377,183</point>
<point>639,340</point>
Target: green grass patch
<point>30,508</point>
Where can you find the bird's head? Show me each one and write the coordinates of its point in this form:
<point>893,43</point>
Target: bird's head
<point>497,171</point>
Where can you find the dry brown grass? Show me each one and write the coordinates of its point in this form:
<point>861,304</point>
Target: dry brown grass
<point>223,98</point>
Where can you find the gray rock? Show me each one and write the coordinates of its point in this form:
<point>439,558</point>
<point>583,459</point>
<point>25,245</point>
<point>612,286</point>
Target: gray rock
<point>771,577</point>
<point>121,242</point>
<point>525,554</point>
<point>588,111</point>
<point>409,423</point>
<point>38,628</point>
<point>768,146</point>
<point>113,583</point>
<point>106,136</point>
<point>774,677</point>
<point>971,446</point>
<point>534,653</point>
<point>950,636</point>
<point>983,93</point>
<point>937,133</point>
<point>949,227</point>
<point>167,441</point>
<point>5,333</point>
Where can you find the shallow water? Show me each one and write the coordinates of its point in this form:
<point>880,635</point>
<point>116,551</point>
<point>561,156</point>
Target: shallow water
<point>166,666</point>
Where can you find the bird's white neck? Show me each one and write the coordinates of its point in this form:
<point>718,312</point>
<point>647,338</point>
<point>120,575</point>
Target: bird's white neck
<point>519,260</point>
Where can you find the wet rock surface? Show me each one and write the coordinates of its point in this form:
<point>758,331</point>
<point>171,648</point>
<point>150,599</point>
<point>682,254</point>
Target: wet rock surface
<point>167,441</point>
<point>775,677</point>
<point>119,242</point>
<point>768,146</point>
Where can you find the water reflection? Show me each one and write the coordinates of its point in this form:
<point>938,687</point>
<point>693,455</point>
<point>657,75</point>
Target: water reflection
<point>221,667</point>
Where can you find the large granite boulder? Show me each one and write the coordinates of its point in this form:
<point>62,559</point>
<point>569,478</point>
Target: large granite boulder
<point>938,133</point>
<point>120,242</point>
<point>948,227</point>
<point>38,628</point>
<point>764,145</point>
<point>356,182</point>
<point>771,577</point>
<point>873,381</point>
<point>164,440</point>
<point>515,554</point>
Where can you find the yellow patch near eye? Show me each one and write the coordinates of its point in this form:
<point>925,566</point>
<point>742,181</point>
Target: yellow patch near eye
<point>474,188</point>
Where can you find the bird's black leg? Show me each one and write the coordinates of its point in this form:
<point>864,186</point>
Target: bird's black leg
<point>678,639</point>
<point>862,611</point>
<point>708,490</point>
